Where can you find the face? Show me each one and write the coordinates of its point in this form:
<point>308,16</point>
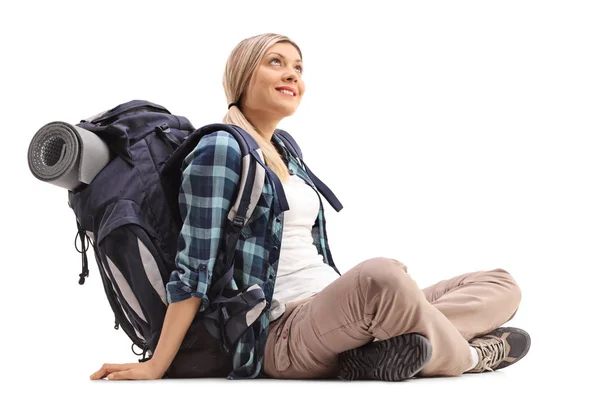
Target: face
<point>280,69</point>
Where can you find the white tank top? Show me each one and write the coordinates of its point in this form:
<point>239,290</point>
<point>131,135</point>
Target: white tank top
<point>301,271</point>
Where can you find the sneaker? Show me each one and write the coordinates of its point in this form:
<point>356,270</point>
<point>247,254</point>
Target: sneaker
<point>395,359</point>
<point>500,348</point>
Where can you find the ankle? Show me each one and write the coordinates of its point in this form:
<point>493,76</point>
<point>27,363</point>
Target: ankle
<point>475,357</point>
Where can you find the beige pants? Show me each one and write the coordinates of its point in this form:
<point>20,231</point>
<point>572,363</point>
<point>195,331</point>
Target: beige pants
<point>378,299</point>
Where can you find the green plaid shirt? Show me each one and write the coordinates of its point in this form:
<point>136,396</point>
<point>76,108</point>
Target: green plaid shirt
<point>209,185</point>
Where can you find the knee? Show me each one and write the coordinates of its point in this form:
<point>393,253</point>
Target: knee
<point>382,273</point>
<point>506,280</point>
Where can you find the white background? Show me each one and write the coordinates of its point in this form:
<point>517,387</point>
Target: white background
<point>458,135</point>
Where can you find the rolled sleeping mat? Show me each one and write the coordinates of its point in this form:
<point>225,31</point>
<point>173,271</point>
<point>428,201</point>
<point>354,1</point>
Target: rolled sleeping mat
<point>66,155</point>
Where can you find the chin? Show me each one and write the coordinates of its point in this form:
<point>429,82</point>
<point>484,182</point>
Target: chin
<point>286,111</point>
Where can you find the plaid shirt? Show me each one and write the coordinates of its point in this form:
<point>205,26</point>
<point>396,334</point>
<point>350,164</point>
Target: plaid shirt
<point>210,179</point>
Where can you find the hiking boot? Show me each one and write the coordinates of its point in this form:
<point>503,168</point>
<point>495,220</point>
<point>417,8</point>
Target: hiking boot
<point>500,348</point>
<point>395,359</point>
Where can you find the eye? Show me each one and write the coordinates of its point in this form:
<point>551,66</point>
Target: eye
<point>299,67</point>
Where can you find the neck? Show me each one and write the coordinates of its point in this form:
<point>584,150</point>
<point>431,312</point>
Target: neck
<point>264,123</point>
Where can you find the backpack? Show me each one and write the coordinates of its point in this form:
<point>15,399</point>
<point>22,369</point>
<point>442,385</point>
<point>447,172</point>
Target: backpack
<point>129,213</point>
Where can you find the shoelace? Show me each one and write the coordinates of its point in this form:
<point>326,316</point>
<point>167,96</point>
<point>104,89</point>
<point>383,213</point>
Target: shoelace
<point>493,351</point>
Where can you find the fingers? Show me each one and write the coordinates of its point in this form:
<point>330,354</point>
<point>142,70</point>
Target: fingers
<point>110,368</point>
<point>119,375</point>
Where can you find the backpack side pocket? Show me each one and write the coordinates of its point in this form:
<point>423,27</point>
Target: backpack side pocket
<point>136,272</point>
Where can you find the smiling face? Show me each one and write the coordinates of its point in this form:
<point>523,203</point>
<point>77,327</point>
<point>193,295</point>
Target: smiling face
<point>278,74</point>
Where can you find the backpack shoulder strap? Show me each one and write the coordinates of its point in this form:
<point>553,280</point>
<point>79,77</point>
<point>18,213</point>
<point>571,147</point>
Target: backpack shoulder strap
<point>294,148</point>
<point>289,142</point>
<point>251,181</point>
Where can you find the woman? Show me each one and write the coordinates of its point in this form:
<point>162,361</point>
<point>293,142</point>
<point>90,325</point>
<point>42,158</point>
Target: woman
<point>372,322</point>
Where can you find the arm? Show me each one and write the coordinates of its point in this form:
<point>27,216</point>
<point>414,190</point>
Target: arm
<point>178,319</point>
<point>209,186</point>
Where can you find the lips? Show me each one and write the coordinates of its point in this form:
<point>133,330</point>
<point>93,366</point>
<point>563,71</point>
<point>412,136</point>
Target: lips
<point>287,88</point>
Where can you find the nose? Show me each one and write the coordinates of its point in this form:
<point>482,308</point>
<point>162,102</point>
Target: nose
<point>291,76</point>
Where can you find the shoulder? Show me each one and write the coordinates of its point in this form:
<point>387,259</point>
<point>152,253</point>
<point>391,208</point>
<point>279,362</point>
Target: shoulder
<point>219,148</point>
<point>219,141</point>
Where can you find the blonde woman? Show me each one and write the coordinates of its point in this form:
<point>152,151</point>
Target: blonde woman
<point>372,322</point>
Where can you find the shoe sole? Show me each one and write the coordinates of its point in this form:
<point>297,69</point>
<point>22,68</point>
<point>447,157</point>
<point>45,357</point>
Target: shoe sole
<point>395,359</point>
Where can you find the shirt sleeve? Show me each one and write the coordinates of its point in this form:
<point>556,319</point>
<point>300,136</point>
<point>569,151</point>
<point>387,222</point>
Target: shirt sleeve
<point>209,184</point>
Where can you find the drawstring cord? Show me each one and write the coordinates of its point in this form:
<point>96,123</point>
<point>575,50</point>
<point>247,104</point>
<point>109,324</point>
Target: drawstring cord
<point>144,349</point>
<point>85,272</point>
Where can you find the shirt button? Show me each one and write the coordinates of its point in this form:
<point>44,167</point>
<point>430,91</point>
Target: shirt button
<point>202,267</point>
<point>275,248</point>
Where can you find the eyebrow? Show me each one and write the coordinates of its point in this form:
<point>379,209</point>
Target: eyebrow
<point>282,56</point>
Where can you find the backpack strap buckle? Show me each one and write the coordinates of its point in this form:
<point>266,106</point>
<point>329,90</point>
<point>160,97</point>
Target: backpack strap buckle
<point>238,221</point>
<point>164,131</point>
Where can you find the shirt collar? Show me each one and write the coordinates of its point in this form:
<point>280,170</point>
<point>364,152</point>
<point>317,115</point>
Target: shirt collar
<point>280,146</point>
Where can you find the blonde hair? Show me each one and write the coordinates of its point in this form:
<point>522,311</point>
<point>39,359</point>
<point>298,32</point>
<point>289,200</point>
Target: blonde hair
<point>241,64</point>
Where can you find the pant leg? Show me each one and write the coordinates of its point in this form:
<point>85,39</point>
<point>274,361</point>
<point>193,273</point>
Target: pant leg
<point>375,299</point>
<point>478,302</point>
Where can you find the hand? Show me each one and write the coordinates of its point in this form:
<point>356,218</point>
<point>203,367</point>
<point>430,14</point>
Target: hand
<point>145,370</point>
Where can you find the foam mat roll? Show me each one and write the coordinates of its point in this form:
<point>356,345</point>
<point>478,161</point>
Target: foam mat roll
<point>66,155</point>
